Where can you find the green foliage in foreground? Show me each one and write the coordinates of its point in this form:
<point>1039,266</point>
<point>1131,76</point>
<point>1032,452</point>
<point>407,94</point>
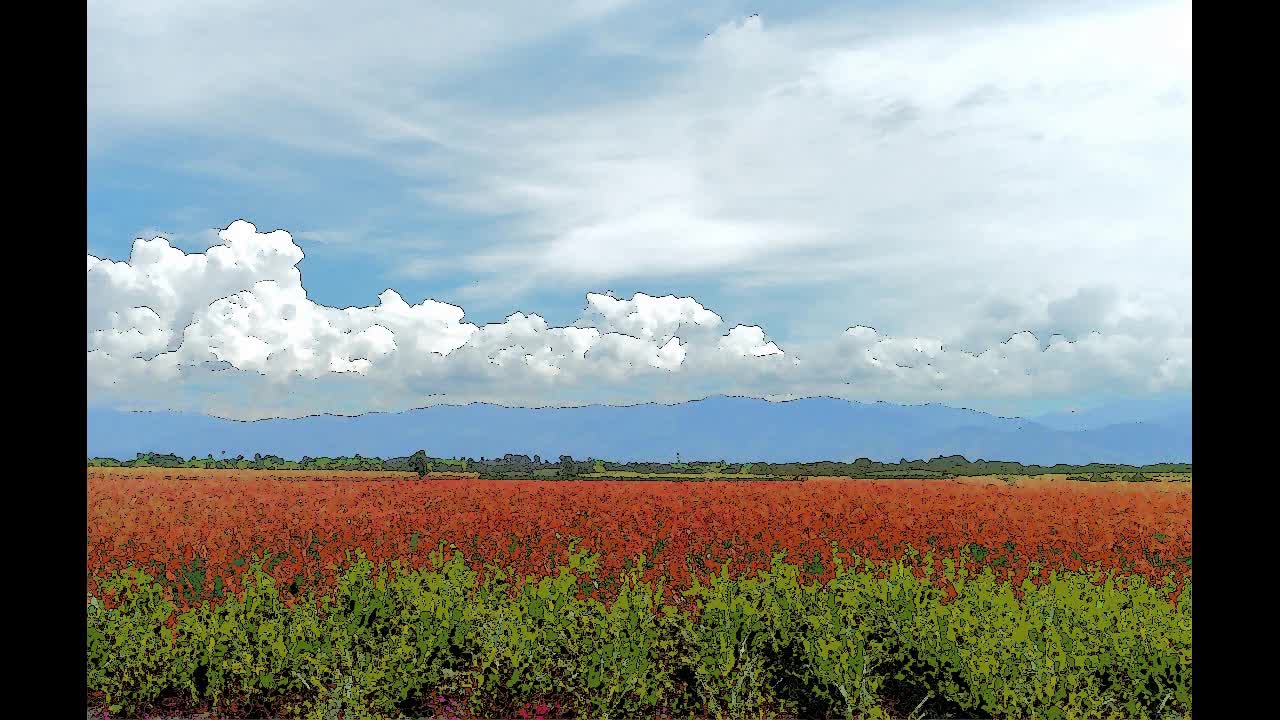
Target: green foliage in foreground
<point>863,645</point>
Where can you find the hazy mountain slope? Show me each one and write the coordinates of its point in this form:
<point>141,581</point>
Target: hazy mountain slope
<point>718,428</point>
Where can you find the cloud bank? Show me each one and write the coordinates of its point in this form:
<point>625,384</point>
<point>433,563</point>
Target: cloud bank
<point>231,331</point>
<point>1002,191</point>
<point>958,172</point>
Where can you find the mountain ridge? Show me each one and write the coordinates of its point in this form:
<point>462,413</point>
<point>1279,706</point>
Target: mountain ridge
<point>731,428</point>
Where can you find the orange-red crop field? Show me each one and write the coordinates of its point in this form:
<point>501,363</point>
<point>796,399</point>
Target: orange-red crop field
<point>197,528</point>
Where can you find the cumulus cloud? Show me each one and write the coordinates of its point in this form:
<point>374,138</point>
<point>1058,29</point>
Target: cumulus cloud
<point>195,331</point>
<point>241,305</point>
<point>952,175</point>
<point>648,317</point>
<point>748,341</point>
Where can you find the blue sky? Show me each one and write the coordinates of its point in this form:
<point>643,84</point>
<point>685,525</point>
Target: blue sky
<point>949,174</point>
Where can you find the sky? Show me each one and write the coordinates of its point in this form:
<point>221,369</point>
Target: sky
<point>299,208</point>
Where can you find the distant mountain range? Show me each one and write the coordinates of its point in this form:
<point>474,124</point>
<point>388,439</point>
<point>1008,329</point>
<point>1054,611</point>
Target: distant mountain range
<point>718,428</point>
<point>1171,411</point>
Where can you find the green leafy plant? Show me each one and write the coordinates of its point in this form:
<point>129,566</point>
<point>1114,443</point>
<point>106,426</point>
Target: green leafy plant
<point>872,641</point>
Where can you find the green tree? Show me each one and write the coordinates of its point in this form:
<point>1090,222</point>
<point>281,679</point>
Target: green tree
<point>419,463</point>
<point>568,468</point>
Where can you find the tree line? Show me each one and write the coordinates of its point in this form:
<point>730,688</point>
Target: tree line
<point>513,466</point>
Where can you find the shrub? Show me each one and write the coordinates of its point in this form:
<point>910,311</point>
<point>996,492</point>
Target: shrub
<point>873,641</point>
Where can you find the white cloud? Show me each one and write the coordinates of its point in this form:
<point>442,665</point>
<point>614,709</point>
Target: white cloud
<point>171,286</point>
<point>951,177</point>
<point>193,330</point>
<point>919,171</point>
<point>748,340</point>
<point>649,317</point>
<point>242,304</point>
<point>334,77</point>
